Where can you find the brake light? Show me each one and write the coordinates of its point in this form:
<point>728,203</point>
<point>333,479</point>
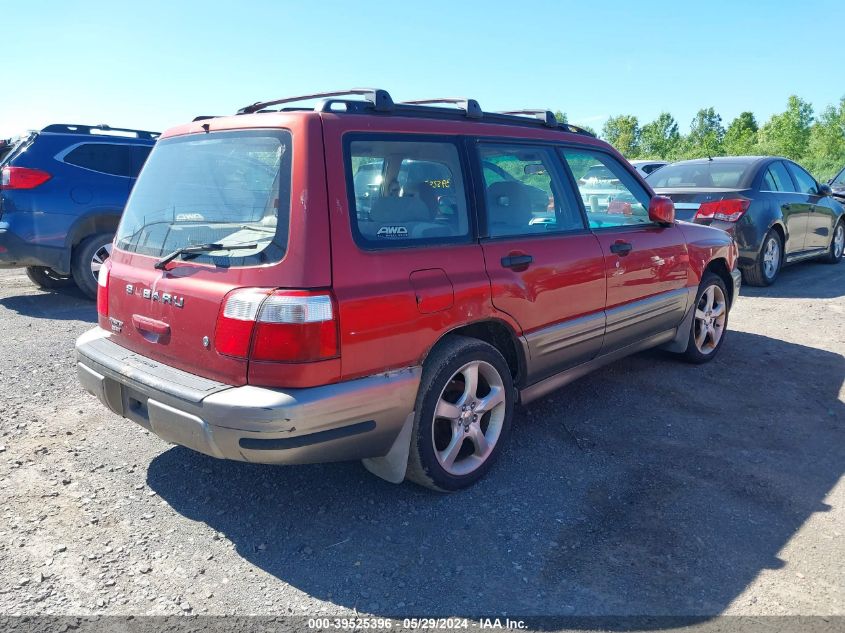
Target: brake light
<point>730,210</point>
<point>22,178</point>
<point>103,289</point>
<point>277,326</point>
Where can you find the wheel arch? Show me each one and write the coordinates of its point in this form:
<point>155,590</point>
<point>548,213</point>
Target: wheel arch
<point>719,267</point>
<point>91,224</point>
<point>500,335</point>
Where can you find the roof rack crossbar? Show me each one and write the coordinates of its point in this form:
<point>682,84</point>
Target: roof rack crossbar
<point>473,110</point>
<point>380,99</point>
<point>546,116</point>
<point>72,128</point>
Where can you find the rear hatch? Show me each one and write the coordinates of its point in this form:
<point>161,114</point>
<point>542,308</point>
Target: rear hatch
<point>230,188</point>
<point>688,200</point>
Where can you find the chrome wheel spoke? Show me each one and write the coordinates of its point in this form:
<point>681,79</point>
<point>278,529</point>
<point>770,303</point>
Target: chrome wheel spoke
<point>491,400</point>
<point>708,295</point>
<point>699,314</point>
<point>448,456</point>
<point>447,410</point>
<point>479,441</point>
<point>718,310</point>
<point>701,336</point>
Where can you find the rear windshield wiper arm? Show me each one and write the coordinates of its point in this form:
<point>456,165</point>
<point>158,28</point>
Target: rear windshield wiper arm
<point>200,248</point>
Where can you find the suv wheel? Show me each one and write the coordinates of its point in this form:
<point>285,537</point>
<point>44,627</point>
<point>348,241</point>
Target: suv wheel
<point>47,278</point>
<point>837,244</point>
<point>710,321</point>
<point>88,257</point>
<point>463,414</point>
<point>769,262</point>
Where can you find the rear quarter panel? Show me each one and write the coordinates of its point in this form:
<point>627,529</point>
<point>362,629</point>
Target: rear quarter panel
<point>705,244</point>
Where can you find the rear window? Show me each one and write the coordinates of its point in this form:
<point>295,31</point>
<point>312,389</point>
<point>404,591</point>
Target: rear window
<point>105,158</point>
<point>406,193</point>
<point>231,188</point>
<point>694,175</point>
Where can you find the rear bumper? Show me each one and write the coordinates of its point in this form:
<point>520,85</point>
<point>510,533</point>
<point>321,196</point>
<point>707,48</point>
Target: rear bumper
<point>15,252</point>
<point>351,420</point>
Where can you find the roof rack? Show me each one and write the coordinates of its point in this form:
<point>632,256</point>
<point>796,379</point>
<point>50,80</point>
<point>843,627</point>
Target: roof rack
<point>470,106</point>
<point>381,101</point>
<point>549,120</point>
<point>66,128</point>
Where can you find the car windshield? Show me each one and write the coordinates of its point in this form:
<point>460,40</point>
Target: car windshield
<point>225,187</point>
<point>722,175</point>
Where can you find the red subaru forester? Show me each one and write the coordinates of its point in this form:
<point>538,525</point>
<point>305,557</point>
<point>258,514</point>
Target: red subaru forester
<point>364,279</point>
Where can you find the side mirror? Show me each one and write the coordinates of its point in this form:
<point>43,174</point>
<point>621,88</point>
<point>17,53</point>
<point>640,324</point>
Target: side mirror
<point>825,190</point>
<point>661,210</point>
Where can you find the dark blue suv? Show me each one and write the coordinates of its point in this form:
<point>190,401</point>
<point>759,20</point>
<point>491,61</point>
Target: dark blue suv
<point>62,192</point>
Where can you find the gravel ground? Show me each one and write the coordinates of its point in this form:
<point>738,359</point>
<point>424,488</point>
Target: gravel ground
<point>650,487</point>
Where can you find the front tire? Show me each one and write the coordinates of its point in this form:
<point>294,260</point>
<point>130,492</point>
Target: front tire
<point>837,244</point>
<point>88,257</point>
<point>47,278</point>
<point>463,414</point>
<point>710,320</point>
<point>769,262</point>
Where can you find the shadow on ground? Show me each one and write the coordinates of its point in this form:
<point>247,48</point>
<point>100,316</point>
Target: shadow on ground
<point>807,280</point>
<point>63,304</point>
<point>650,487</point>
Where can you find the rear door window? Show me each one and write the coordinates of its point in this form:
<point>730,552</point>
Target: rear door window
<point>805,182</point>
<point>780,178</point>
<point>406,192</point>
<point>139,157</point>
<point>105,158</point>
<point>615,199</point>
<point>523,192</point>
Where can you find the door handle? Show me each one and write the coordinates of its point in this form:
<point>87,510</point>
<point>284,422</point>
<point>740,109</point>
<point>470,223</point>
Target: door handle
<point>621,248</point>
<point>516,261</point>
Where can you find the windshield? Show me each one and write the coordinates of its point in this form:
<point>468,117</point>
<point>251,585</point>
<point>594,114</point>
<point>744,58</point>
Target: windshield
<point>229,188</point>
<point>10,147</point>
<point>699,175</point>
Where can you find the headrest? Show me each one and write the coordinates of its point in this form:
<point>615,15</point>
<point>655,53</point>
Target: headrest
<point>391,210</point>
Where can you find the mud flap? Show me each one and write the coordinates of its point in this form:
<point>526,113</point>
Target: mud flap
<point>392,466</point>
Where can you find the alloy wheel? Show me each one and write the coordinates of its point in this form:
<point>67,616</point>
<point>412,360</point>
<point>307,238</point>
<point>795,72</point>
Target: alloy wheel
<point>710,315</point>
<point>771,257</point>
<point>468,418</point>
<point>838,240</point>
<point>99,258</point>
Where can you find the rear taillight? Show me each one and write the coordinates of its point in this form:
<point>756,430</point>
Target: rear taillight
<point>730,210</point>
<point>277,326</point>
<point>22,178</point>
<point>103,289</point>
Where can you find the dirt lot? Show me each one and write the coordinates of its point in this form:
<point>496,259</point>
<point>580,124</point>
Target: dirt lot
<point>650,487</point>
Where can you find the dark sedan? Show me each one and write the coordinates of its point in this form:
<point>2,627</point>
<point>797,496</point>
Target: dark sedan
<point>776,211</point>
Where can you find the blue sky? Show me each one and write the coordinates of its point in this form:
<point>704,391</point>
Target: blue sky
<point>154,64</point>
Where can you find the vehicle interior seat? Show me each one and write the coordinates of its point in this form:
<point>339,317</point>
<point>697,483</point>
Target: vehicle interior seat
<point>509,208</point>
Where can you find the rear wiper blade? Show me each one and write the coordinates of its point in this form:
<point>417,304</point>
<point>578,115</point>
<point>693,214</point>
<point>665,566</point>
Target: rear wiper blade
<point>200,248</point>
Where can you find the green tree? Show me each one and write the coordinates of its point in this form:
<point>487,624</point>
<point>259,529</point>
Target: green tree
<point>741,135</point>
<point>788,133</point>
<point>826,149</point>
<point>623,132</point>
<point>706,135</point>
<point>561,116</point>
<point>660,138</point>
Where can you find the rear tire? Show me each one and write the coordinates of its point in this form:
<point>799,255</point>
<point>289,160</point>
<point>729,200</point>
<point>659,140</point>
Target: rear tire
<point>47,278</point>
<point>462,415</point>
<point>769,262</point>
<point>88,258</point>
<point>837,244</point>
<point>710,321</point>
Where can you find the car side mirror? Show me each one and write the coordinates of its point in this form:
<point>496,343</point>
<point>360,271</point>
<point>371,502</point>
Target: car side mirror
<point>661,210</point>
<point>825,190</point>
